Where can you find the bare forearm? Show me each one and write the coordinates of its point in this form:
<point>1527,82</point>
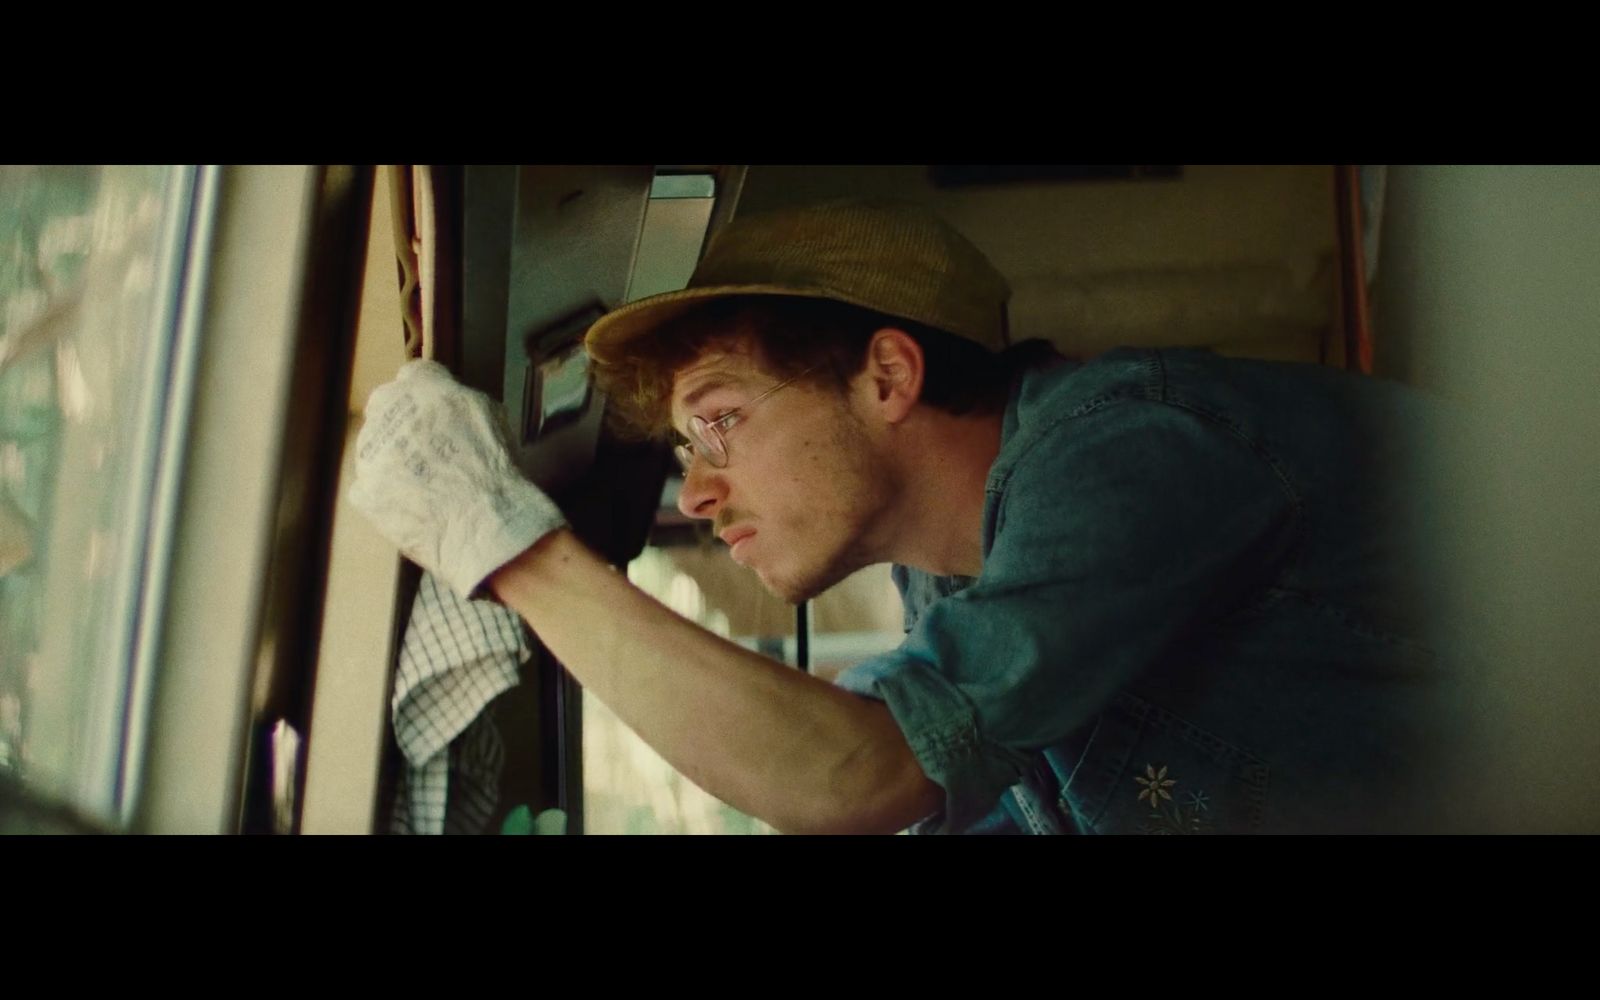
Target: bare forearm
<point>771,741</point>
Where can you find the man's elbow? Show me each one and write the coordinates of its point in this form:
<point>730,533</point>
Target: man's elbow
<point>871,801</point>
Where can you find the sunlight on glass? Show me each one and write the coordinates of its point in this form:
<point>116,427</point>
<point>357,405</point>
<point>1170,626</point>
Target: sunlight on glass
<point>628,787</point>
<point>80,336</point>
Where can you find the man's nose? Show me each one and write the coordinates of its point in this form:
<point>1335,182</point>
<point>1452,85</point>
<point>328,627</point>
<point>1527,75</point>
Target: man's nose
<point>704,490</point>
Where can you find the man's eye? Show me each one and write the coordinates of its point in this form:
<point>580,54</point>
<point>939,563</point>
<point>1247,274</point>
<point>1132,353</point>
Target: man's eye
<point>726,420</point>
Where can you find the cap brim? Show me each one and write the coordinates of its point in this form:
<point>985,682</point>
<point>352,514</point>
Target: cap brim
<point>617,328</point>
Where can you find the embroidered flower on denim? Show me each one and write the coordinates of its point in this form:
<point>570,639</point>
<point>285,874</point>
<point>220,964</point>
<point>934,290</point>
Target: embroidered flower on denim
<point>1167,817</point>
<point>1155,785</point>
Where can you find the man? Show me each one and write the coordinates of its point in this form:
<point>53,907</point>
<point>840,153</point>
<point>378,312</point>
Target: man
<point>1159,592</point>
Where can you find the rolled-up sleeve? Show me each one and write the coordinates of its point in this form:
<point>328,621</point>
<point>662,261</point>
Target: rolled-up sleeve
<point>1113,537</point>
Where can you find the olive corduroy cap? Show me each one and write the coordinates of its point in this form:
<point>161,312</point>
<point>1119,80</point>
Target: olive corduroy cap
<point>892,257</point>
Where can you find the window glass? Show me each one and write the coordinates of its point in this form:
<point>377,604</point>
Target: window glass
<point>88,286</point>
<point>628,787</point>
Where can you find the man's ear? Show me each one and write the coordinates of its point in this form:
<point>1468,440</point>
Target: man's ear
<point>893,372</point>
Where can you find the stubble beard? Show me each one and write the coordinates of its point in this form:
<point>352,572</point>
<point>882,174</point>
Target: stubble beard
<point>867,490</point>
<point>810,585</point>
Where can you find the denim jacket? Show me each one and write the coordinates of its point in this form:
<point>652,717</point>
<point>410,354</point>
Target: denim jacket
<point>1203,607</point>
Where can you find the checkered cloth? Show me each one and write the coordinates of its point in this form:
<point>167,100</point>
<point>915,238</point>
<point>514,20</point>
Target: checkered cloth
<point>457,657</point>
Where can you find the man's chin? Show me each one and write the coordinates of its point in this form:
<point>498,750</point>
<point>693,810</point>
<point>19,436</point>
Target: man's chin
<point>798,589</point>
<point>785,591</point>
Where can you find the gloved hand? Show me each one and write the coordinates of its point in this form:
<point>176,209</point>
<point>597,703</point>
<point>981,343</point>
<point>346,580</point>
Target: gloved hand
<point>434,475</point>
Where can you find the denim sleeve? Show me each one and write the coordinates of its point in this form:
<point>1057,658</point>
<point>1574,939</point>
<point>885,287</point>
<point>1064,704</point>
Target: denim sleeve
<point>1113,537</point>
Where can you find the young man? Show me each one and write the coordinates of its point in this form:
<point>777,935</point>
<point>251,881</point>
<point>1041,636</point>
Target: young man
<point>1160,592</point>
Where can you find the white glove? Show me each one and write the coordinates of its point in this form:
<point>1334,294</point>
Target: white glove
<point>434,475</point>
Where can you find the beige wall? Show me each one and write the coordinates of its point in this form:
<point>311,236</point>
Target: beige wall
<point>1487,293</point>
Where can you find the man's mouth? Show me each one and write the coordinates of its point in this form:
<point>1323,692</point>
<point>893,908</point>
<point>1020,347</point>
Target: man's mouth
<point>736,538</point>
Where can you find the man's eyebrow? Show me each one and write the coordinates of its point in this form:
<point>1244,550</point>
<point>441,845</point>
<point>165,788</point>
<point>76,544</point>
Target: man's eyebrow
<point>710,384</point>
